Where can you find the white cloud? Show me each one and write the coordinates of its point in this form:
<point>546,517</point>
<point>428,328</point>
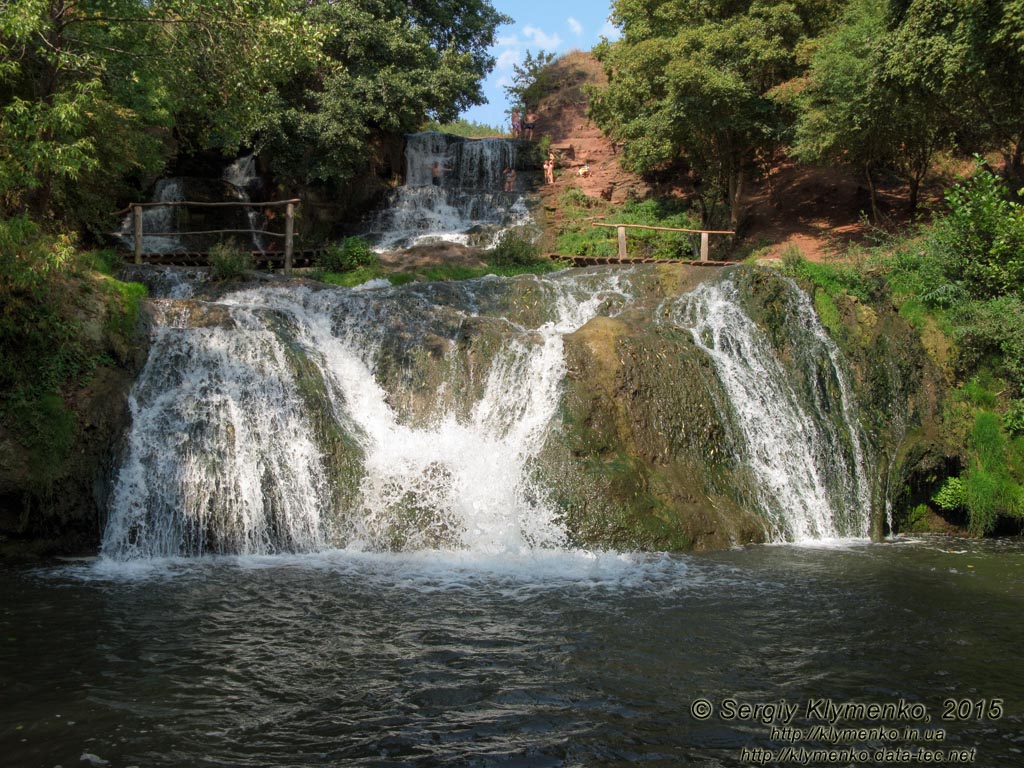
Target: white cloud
<point>506,41</point>
<point>575,26</point>
<point>541,38</point>
<point>610,31</point>
<point>508,58</point>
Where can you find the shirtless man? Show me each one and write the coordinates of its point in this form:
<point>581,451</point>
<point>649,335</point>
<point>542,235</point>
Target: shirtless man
<point>530,124</point>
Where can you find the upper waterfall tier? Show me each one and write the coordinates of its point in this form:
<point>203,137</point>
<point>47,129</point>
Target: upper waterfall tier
<point>454,190</point>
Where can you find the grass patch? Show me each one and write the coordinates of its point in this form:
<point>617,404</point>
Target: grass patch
<point>578,236</point>
<point>124,306</point>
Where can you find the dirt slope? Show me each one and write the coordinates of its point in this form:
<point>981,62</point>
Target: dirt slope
<point>816,210</point>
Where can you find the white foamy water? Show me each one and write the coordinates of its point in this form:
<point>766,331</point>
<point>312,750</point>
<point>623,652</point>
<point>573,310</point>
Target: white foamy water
<point>222,456</point>
<point>470,194</point>
<point>812,481</point>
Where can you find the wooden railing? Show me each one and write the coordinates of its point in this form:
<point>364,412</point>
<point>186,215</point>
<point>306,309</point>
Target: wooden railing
<point>704,235</point>
<point>289,224</point>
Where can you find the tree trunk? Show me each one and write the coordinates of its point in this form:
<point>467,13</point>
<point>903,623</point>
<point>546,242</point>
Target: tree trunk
<point>735,194</point>
<point>872,193</point>
<point>915,187</point>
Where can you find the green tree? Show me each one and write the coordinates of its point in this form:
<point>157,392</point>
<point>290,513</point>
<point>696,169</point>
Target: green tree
<point>384,67</point>
<point>897,81</point>
<point>90,91</point>
<point>530,81</point>
<point>690,83</point>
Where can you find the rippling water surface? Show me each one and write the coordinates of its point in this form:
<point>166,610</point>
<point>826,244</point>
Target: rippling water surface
<point>560,659</point>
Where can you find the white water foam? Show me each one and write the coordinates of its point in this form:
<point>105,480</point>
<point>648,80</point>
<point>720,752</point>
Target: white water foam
<point>465,480</point>
<point>798,460</point>
<point>470,194</point>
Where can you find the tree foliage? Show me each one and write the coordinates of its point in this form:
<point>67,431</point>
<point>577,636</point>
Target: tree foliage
<point>384,67</point>
<point>90,91</point>
<point>96,95</point>
<point>692,82</point>
<point>530,80</point>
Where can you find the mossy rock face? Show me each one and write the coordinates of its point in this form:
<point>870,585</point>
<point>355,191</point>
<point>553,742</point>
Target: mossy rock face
<point>641,458</point>
<point>58,451</point>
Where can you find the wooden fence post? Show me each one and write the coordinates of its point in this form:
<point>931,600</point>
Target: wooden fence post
<point>289,233</point>
<point>704,237</point>
<point>622,242</point>
<point>137,229</point>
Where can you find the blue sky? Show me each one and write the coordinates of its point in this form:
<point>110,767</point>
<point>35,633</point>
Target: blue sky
<point>557,26</point>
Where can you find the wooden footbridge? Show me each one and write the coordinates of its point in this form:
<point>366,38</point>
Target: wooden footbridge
<point>275,259</point>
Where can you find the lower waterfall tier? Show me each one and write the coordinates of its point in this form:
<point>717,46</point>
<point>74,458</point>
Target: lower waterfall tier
<point>641,408</point>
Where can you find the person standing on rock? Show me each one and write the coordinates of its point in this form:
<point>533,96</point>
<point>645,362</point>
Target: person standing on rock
<point>510,179</point>
<point>549,169</point>
<point>530,124</point>
<point>517,127</point>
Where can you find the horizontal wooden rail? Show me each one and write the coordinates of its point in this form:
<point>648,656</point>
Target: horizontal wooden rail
<point>213,232</point>
<point>235,203</point>
<point>667,229</point>
<point>289,226</point>
<point>704,235</point>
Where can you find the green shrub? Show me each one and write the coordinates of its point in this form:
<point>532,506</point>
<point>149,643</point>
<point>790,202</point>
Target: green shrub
<point>991,491</point>
<point>916,520</point>
<point>513,250</point>
<point>992,332</point>
<point>350,254</point>
<point>28,256</point>
<point>576,198</point>
<point>981,239</point>
<point>228,261</point>
<point>952,496</point>
<point>1013,419</point>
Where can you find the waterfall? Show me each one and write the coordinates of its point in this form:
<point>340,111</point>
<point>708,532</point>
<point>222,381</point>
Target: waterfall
<point>290,418</point>
<point>242,176</point>
<point>806,452</point>
<point>158,219</point>
<point>223,453</point>
<point>238,181</point>
<point>469,203</point>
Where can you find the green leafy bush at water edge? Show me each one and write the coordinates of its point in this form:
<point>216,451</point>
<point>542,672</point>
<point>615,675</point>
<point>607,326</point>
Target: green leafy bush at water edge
<point>351,253</point>
<point>227,261</point>
<point>513,250</point>
<point>981,240</point>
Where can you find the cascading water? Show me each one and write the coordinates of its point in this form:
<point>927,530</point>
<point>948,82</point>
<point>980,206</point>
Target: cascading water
<point>286,418</point>
<point>805,451</point>
<point>158,219</point>
<point>242,176</point>
<point>469,197</point>
<point>237,183</point>
<point>223,456</point>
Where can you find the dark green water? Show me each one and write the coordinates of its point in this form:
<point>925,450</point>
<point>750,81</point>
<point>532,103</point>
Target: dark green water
<point>561,660</point>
